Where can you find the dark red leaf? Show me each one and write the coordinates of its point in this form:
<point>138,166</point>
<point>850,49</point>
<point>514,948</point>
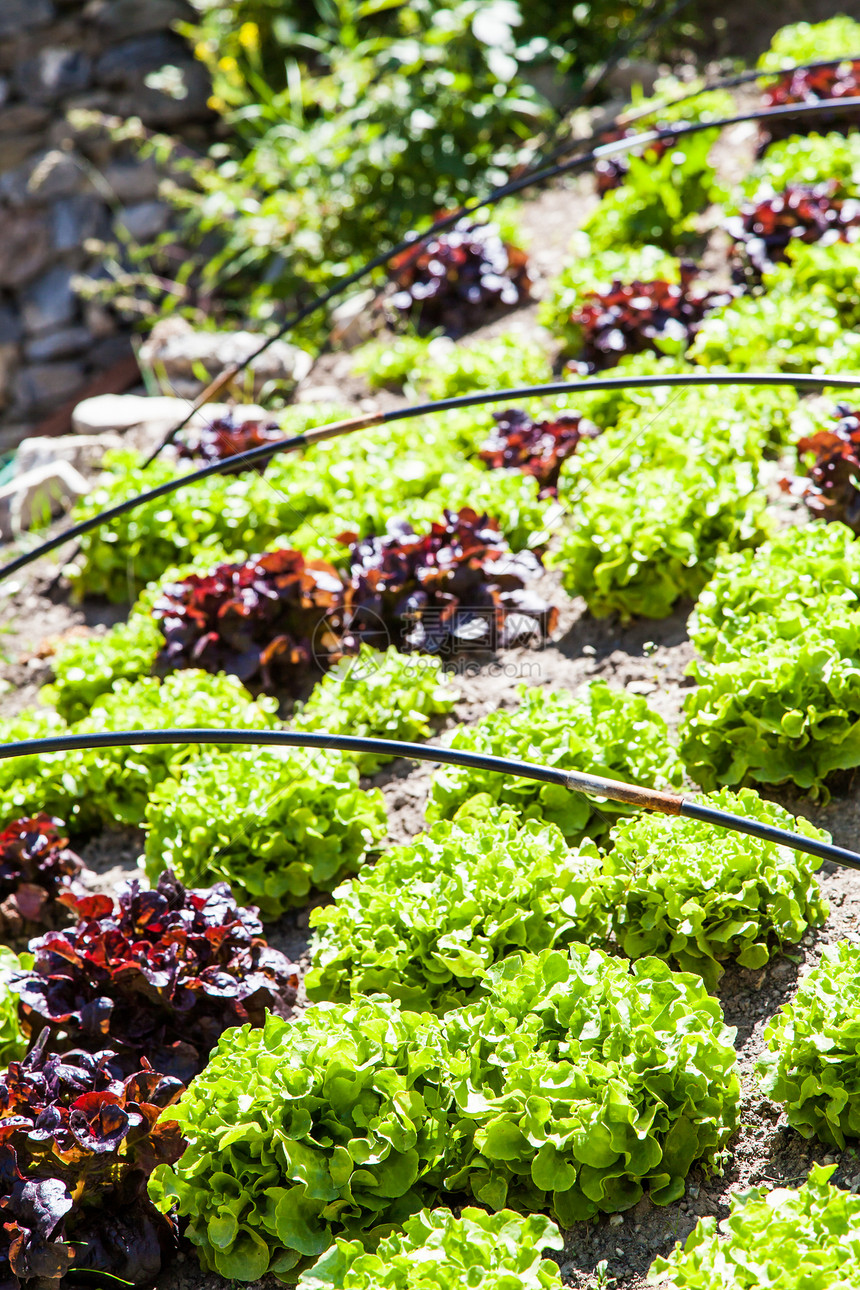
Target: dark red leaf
<point>458,279</point>
<point>832,490</point>
<point>224,437</point>
<point>439,592</point>
<point>69,1196</point>
<point>535,447</point>
<point>38,873</point>
<point>766,227</point>
<point>162,975</point>
<point>272,621</point>
<point>839,80</point>
<point>633,317</point>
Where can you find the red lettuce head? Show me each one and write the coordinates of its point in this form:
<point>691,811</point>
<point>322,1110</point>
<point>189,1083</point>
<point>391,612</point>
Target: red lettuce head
<point>162,974</point>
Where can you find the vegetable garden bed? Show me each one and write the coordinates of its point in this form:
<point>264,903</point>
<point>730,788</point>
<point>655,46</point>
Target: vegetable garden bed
<point>461,1092</point>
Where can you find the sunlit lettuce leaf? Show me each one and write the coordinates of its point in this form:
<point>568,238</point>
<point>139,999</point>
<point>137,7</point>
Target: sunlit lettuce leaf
<point>773,1240</point>
<point>602,730</point>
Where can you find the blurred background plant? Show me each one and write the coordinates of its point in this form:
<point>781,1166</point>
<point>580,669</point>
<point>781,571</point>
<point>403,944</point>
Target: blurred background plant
<point>346,123</point>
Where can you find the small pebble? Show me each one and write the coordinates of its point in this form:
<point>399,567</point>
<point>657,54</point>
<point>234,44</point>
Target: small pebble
<point>616,1220</point>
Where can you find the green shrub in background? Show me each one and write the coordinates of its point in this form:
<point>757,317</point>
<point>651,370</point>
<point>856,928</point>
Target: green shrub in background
<point>476,1249</point>
<point>772,1240</point>
<point>430,918</point>
<point>576,1082</point>
<point>605,731</point>
<point>276,824</point>
<point>354,122</point>
<point>812,1061</point>
<point>101,787</point>
<point>697,895</point>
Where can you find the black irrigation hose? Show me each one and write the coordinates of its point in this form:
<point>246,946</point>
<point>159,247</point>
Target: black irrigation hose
<point>721,83</point>
<point>335,429</point>
<point>648,799</point>
<point>543,175</point>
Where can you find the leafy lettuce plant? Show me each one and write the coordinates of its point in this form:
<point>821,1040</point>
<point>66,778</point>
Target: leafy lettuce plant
<point>803,322</point>
<point>380,693</point>
<point>582,1079</point>
<point>606,731</point>
<point>660,200</point>
<point>577,1081</point>
<point>276,825</point>
<point>454,587</point>
<point>98,787</point>
<point>321,1127</point>
<point>158,976</point>
<point>781,332</point>
<point>591,270</point>
<point>638,545</point>
<point>436,1249</point>
<point>786,578</point>
<point>272,620</point>
<point>812,1060</point>
<point>666,428</point>
<point>778,697</point>
<point>808,159</point>
<point>772,1240</point>
<point>781,707</point>
<point>426,922</point>
<point>697,895</point>
<point>439,369</point>
<point>86,668</point>
<point>78,1141</point>
<point>801,42</point>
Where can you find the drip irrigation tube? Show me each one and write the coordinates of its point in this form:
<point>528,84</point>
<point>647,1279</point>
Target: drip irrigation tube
<point>334,429</point>
<point>543,175</point>
<point>648,799</point>
<point>721,83</point>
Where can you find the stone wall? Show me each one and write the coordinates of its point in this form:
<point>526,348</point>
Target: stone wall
<point>61,186</point>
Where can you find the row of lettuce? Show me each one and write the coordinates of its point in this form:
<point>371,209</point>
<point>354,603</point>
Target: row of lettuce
<point>776,700</point>
<point>472,1037</point>
<point>569,1082</point>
